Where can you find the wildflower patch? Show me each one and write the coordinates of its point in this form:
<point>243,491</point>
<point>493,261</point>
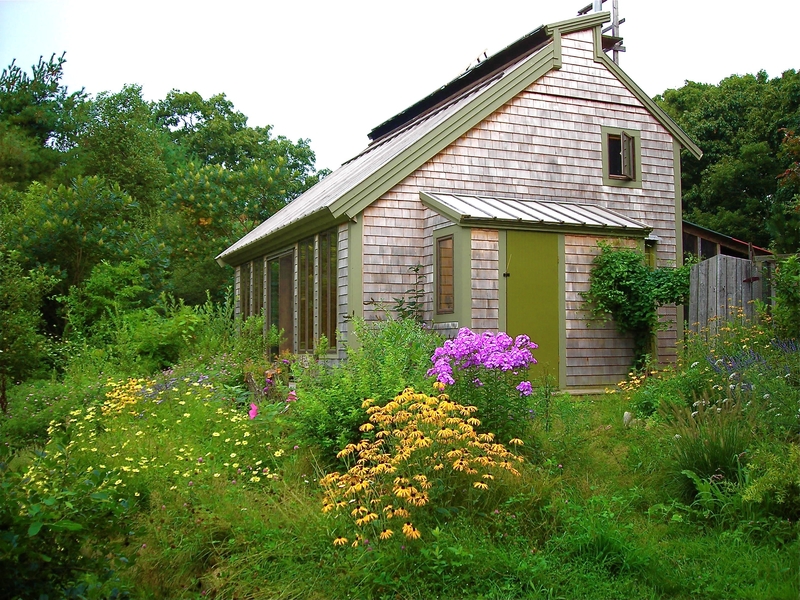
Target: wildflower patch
<point>423,451</point>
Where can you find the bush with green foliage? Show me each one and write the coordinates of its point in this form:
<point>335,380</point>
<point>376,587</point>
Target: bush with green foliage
<point>63,527</point>
<point>786,311</point>
<point>389,356</point>
<point>623,288</point>
<point>21,341</point>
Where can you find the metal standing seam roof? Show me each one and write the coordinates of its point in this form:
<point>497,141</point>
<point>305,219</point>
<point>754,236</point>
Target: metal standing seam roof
<point>466,208</point>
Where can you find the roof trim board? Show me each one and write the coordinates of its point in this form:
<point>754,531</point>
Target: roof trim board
<point>488,101</point>
<point>655,109</point>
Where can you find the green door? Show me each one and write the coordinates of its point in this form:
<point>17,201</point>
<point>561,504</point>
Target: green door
<point>532,296</point>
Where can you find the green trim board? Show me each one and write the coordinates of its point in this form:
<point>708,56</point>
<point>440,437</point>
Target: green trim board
<point>649,104</point>
<point>562,313</point>
<point>310,225</point>
<point>636,182</point>
<point>429,145</point>
<point>578,23</point>
<point>502,261</point>
<point>676,153</point>
<point>355,273</point>
<point>462,272</point>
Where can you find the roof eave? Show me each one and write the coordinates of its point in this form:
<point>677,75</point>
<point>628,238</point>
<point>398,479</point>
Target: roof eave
<point>279,240</point>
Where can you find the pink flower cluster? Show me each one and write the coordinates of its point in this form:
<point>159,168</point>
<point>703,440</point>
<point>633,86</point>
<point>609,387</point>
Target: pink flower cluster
<point>488,350</point>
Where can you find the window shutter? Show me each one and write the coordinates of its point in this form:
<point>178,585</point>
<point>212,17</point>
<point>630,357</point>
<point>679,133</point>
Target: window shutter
<point>627,152</point>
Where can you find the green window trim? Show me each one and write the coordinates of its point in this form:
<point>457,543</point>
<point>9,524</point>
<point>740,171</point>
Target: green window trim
<point>461,312</point>
<point>445,275</point>
<point>622,157</point>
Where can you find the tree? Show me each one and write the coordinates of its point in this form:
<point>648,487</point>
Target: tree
<point>21,343</point>
<point>67,230</point>
<point>39,121</point>
<point>234,177</point>
<point>123,144</point>
<point>740,125</point>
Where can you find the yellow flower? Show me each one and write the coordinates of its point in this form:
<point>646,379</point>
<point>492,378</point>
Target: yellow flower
<point>516,442</point>
<point>340,541</point>
<point>411,532</point>
<point>386,534</point>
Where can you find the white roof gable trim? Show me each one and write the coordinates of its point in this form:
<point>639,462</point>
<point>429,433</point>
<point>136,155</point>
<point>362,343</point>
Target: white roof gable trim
<point>512,213</point>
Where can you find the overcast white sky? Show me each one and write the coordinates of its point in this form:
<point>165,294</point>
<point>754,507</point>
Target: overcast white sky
<point>330,71</point>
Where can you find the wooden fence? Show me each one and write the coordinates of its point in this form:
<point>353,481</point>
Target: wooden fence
<point>723,288</point>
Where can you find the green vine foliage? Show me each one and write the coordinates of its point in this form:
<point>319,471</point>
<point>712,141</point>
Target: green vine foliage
<point>624,289</point>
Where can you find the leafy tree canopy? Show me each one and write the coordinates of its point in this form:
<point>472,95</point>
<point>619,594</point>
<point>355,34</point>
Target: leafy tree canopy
<point>741,125</point>
<point>39,121</point>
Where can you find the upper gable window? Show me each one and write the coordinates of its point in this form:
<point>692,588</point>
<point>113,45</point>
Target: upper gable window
<point>621,157</point>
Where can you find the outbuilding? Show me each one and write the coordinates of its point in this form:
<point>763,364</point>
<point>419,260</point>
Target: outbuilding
<point>499,186</point>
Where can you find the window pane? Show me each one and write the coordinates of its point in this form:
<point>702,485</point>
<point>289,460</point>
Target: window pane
<point>258,286</point>
<point>707,249</point>
<point>305,292</point>
<point>280,298</point>
<point>614,156</point>
<point>628,150</point>
<point>445,275</point>
<point>244,290</point>
<point>327,286</point>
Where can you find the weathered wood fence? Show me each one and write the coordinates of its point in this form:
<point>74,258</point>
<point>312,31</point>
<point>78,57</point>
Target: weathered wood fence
<point>722,289</point>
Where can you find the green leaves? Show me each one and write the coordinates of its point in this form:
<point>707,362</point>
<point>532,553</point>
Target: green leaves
<point>623,288</point>
<point>741,125</point>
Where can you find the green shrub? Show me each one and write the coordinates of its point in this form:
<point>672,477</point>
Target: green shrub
<point>774,480</point>
<point>62,528</point>
<point>786,312</point>
<point>390,355</point>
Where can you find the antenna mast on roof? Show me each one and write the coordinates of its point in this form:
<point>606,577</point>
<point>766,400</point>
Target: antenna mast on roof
<point>597,6</point>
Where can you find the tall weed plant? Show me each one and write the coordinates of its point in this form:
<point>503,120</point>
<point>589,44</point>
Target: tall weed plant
<point>711,442</point>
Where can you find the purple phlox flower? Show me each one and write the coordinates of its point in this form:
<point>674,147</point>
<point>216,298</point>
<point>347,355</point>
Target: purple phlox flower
<point>525,388</point>
<point>487,350</point>
<point>477,382</point>
<point>253,412</point>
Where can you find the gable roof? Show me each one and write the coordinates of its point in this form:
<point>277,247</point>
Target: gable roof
<point>404,142</point>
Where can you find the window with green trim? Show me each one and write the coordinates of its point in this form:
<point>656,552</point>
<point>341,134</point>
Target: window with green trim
<point>445,275</point>
<point>621,157</point>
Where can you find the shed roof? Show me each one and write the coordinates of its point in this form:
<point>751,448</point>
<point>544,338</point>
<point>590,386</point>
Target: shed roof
<point>530,214</point>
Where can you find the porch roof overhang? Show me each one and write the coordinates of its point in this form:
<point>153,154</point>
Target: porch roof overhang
<point>530,214</point>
